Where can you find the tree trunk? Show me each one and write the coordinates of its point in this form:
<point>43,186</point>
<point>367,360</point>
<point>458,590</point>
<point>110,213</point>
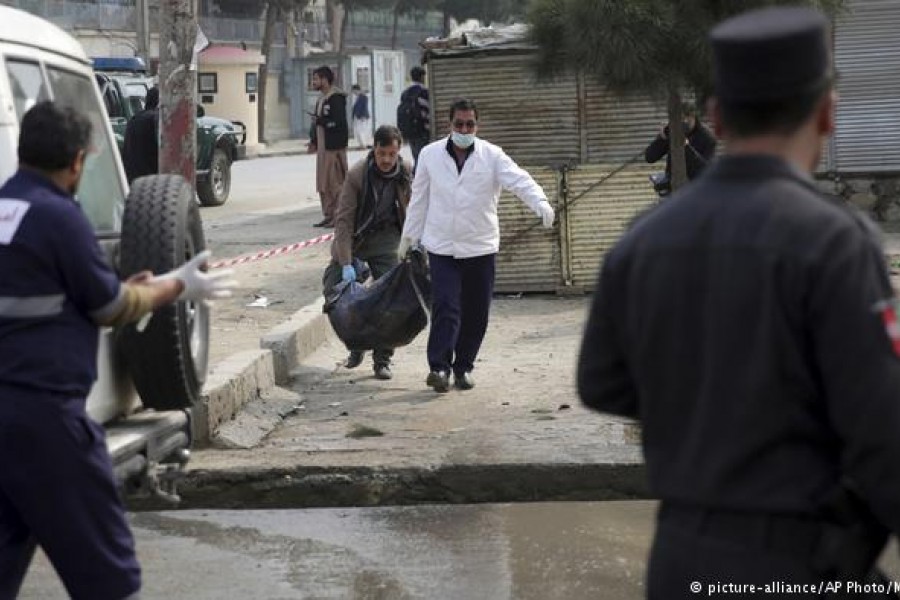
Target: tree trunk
<point>676,140</point>
<point>290,32</point>
<point>394,26</point>
<point>336,25</point>
<point>262,84</point>
<point>177,86</point>
<point>447,19</point>
<point>345,16</point>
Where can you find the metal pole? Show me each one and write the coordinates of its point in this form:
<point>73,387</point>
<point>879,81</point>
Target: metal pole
<point>142,10</point>
<point>177,85</point>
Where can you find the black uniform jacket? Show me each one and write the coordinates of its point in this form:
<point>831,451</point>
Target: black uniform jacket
<point>742,322</point>
<point>140,153</point>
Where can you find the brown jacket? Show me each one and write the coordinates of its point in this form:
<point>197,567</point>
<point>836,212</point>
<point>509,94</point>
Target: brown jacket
<point>345,215</point>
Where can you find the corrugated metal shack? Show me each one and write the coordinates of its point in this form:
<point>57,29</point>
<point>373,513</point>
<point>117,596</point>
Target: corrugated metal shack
<point>574,137</point>
<point>583,144</point>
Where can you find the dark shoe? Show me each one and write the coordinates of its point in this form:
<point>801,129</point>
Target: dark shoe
<point>323,223</point>
<point>383,372</point>
<point>439,380</point>
<point>354,359</point>
<point>464,381</point>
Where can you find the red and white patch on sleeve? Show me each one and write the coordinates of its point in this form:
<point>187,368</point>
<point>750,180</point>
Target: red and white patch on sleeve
<point>888,312</point>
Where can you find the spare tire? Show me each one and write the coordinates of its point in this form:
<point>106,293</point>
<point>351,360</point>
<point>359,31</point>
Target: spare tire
<point>161,229</point>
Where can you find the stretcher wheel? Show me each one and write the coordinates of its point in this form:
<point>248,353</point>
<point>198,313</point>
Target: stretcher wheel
<point>161,229</point>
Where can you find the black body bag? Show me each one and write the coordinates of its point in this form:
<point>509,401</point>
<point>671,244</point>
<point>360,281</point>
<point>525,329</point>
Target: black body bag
<point>389,313</point>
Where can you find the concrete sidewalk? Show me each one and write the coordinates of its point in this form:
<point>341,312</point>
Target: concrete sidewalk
<point>521,434</point>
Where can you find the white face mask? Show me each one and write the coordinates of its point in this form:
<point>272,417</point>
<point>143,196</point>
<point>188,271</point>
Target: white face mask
<point>463,140</point>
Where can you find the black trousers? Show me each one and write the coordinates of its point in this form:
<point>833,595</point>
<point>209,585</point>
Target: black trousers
<point>720,555</point>
<point>461,291</point>
<point>57,490</point>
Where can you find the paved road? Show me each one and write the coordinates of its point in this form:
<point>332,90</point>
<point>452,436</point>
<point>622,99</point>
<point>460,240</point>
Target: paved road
<point>568,551</point>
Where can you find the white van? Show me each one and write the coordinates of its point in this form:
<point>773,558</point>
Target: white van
<point>147,380</point>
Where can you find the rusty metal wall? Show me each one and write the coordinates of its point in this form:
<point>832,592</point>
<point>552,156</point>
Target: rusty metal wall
<point>529,259</point>
<point>543,126</point>
<point>535,122</point>
<point>597,215</point>
<point>618,127</point>
<point>867,59</point>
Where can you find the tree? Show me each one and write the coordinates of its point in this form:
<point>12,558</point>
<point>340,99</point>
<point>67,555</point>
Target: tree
<point>407,7</point>
<point>340,12</point>
<point>275,10</point>
<point>655,47</point>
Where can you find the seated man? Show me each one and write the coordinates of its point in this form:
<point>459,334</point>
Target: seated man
<point>368,220</point>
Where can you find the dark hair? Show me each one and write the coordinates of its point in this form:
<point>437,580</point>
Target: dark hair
<point>463,104</point>
<point>325,72</point>
<point>387,135</point>
<point>51,136</point>
<point>417,73</point>
<point>781,116</point>
<point>152,99</point>
<point>355,86</point>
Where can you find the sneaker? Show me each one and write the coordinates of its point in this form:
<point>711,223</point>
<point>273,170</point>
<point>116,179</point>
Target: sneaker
<point>383,372</point>
<point>464,381</point>
<point>439,380</point>
<point>354,359</point>
<point>323,223</point>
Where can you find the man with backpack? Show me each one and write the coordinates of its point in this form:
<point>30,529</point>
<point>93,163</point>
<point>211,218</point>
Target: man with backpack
<point>414,113</point>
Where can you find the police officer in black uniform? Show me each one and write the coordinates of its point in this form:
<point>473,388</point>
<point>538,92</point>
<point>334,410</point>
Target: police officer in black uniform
<point>57,488</point>
<point>749,325</point>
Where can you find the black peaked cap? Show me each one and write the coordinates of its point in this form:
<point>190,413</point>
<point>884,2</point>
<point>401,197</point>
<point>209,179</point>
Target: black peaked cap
<point>771,54</point>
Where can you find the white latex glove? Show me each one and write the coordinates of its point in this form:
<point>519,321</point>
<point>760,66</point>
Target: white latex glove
<point>403,249</point>
<point>201,285</point>
<point>545,211</point>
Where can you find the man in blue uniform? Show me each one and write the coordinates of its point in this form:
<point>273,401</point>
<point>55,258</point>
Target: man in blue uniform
<point>56,482</point>
<point>750,326</point>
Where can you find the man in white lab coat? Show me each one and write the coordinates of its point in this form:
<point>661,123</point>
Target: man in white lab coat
<point>453,214</point>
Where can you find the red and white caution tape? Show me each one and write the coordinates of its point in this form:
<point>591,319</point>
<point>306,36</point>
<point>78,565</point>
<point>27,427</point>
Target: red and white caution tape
<point>230,262</point>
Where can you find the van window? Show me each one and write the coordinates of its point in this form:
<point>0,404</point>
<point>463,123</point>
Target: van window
<point>27,85</point>
<point>100,192</point>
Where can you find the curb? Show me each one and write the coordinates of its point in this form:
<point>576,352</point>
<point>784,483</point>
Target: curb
<point>321,487</point>
<point>250,374</point>
<point>277,153</point>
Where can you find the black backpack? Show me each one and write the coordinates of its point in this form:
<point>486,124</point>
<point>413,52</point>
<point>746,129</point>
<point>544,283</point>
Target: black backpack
<point>410,121</point>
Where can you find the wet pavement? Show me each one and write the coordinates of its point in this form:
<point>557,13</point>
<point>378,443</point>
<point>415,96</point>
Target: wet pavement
<point>539,551</point>
<point>480,552</point>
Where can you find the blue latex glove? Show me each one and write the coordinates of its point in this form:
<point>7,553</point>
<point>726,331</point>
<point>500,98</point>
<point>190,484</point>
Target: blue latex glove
<point>348,273</point>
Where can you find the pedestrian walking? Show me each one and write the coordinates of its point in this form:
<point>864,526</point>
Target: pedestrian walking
<point>140,153</point>
<point>414,113</point>
<point>57,488</point>
<point>453,214</point>
<point>750,326</point>
<point>330,142</point>
<point>362,120</point>
<point>369,218</point>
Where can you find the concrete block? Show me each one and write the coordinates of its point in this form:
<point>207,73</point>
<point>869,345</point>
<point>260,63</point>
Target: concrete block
<point>256,419</point>
<point>233,383</point>
<point>294,340</point>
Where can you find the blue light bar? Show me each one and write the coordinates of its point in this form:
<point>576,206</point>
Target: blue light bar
<point>132,64</point>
